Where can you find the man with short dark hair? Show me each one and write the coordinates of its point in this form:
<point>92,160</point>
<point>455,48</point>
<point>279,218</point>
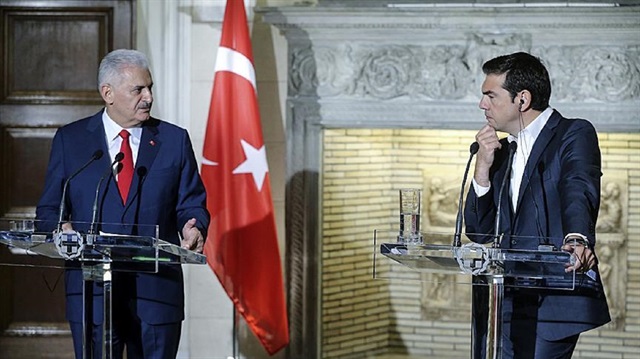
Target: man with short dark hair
<point>554,194</point>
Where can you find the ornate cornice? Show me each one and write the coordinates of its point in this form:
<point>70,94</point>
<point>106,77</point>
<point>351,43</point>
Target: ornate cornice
<point>344,58</point>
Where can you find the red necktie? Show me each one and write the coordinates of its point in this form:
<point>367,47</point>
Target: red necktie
<point>126,174</point>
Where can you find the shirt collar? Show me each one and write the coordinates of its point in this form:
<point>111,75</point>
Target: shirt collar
<point>112,129</point>
<point>530,133</point>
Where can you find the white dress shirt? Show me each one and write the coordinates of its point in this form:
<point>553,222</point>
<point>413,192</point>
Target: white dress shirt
<point>525,140</point>
<point>112,131</point>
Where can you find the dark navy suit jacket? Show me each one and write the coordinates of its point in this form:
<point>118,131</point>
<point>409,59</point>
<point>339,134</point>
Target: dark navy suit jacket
<point>559,194</point>
<point>166,191</point>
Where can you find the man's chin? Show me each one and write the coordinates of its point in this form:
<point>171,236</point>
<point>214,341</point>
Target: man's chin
<point>143,117</point>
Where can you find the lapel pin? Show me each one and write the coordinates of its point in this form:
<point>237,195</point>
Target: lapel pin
<point>152,143</point>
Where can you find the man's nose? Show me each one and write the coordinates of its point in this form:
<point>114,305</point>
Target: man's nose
<point>147,96</point>
<point>482,105</point>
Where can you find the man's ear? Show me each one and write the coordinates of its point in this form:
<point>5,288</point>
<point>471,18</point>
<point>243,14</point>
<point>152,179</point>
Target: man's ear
<point>524,100</point>
<point>107,94</point>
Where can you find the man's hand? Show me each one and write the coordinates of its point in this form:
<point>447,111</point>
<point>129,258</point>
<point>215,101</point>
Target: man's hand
<point>191,237</point>
<point>67,227</point>
<point>585,259</point>
<point>489,143</point>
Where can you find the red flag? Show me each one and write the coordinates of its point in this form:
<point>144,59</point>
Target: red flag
<point>242,245</point>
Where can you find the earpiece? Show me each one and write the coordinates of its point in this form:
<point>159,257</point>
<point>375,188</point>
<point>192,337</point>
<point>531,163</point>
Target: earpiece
<point>521,103</point>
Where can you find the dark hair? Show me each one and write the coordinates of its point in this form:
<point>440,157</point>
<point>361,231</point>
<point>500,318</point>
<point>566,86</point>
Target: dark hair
<point>523,72</point>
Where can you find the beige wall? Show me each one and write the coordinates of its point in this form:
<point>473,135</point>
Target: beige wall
<point>404,311</point>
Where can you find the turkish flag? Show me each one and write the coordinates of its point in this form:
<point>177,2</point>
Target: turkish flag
<point>242,244</point>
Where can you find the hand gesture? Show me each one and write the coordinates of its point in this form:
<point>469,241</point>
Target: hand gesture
<point>191,237</point>
<point>489,143</point>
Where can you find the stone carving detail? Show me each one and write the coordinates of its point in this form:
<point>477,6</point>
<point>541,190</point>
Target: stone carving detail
<point>445,296</point>
<point>385,72</point>
<point>610,216</point>
<point>302,77</point>
<point>484,46</point>
<point>612,251</point>
<point>582,73</point>
<point>444,73</point>
<point>441,203</point>
<point>452,72</point>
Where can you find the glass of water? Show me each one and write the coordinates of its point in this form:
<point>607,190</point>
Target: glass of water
<point>410,202</point>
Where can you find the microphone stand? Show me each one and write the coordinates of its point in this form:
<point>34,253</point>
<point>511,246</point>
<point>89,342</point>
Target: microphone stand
<point>497,236</point>
<point>457,242</point>
<point>109,171</point>
<point>96,156</point>
<point>103,273</point>
<point>493,342</point>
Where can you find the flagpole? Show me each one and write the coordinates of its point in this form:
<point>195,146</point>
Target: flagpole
<point>234,340</point>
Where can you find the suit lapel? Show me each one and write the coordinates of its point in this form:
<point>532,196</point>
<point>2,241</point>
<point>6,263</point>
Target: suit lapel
<point>506,207</point>
<point>546,135</point>
<point>109,199</point>
<point>147,152</point>
<point>96,134</point>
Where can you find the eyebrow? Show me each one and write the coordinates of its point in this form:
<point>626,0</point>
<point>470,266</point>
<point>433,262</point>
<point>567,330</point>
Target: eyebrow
<point>489,92</point>
<point>139,87</point>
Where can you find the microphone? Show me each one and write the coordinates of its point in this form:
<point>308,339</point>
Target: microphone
<point>473,149</point>
<point>513,146</point>
<point>109,172</point>
<point>546,245</point>
<point>96,156</point>
<point>142,173</point>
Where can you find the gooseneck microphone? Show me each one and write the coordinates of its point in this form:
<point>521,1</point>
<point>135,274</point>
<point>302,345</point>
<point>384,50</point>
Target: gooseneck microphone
<point>108,172</point>
<point>457,242</point>
<point>513,146</point>
<point>96,156</point>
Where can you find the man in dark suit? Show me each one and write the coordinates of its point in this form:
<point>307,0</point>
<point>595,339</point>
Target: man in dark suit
<point>552,199</point>
<point>158,185</point>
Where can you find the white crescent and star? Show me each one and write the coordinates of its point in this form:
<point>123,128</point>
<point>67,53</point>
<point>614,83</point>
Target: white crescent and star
<point>255,163</point>
<point>256,158</point>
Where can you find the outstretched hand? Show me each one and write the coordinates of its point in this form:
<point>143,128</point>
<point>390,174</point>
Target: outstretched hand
<point>191,237</point>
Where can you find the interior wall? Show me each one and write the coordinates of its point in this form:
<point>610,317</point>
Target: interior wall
<point>357,67</point>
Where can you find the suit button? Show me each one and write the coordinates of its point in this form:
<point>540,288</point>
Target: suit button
<point>514,242</point>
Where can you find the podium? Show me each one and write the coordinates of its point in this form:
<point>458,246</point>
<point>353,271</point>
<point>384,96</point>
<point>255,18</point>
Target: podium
<point>98,255</point>
<point>490,271</point>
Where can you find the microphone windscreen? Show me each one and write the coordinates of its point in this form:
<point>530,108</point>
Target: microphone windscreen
<point>97,155</point>
<point>474,148</point>
<point>119,157</point>
<point>141,171</point>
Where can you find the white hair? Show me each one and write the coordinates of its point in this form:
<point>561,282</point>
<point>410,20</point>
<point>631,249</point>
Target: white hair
<point>112,65</point>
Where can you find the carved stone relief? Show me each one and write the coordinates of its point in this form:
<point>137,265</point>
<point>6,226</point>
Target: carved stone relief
<point>451,72</point>
<point>444,296</point>
<point>441,200</point>
<point>611,247</point>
